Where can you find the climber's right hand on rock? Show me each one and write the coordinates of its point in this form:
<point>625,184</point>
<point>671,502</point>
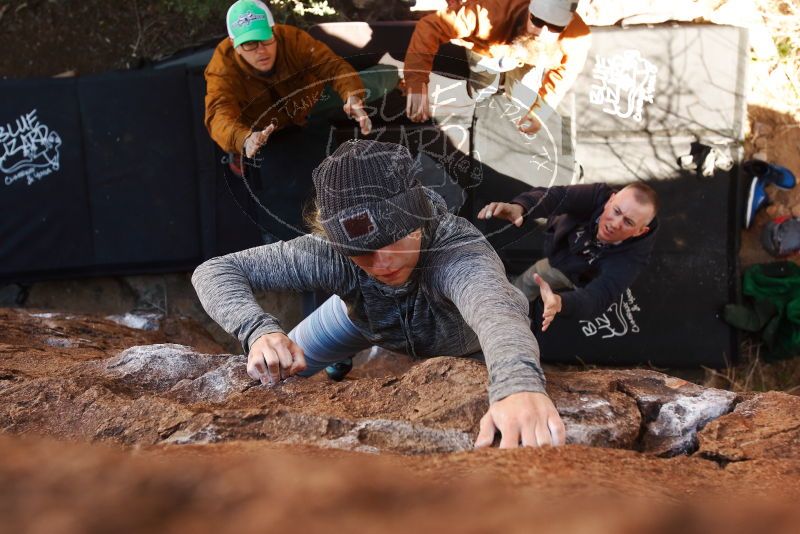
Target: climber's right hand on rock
<point>527,419</point>
<point>254,141</point>
<point>274,357</point>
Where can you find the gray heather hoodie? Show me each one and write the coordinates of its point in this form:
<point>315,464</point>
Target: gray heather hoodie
<point>456,303</point>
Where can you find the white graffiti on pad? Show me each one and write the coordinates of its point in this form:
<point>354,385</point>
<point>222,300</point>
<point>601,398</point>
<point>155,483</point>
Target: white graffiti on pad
<point>627,82</point>
<point>617,321</point>
<point>28,149</point>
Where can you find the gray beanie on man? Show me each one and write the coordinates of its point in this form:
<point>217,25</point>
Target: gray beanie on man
<point>558,12</point>
<point>368,196</point>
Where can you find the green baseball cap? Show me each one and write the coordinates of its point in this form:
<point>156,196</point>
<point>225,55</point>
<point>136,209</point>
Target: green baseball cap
<point>249,20</point>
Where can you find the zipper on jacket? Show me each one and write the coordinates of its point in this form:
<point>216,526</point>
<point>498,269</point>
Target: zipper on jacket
<point>405,327</point>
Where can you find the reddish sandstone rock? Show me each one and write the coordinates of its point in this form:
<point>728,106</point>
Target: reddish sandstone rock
<point>766,426</point>
<point>168,393</point>
<point>637,409</point>
<point>243,444</point>
<point>79,410</point>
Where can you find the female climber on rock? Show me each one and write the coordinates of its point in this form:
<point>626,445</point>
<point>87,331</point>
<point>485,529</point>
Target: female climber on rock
<point>405,275</point>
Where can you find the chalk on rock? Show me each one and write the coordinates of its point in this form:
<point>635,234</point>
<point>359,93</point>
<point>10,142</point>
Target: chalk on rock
<point>193,437</point>
<point>59,342</point>
<point>138,320</point>
<point>159,367</point>
<point>217,385</point>
<point>674,431</point>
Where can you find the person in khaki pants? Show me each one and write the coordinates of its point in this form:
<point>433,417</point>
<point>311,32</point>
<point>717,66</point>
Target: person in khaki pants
<point>596,243</point>
<point>550,276</point>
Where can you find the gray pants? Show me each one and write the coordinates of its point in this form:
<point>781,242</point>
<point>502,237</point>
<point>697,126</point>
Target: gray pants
<point>552,276</point>
<point>482,83</point>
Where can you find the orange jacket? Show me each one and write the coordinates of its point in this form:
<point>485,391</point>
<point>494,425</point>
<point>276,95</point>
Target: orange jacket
<point>484,23</point>
<point>240,100</point>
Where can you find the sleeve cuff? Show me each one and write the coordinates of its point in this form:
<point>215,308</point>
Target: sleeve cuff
<point>499,392</point>
<point>414,84</point>
<point>513,375</point>
<point>523,201</point>
<point>238,140</point>
<point>567,303</point>
<point>270,328</point>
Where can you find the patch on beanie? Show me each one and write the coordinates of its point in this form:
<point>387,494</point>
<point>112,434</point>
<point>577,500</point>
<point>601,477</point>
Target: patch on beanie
<point>359,225</point>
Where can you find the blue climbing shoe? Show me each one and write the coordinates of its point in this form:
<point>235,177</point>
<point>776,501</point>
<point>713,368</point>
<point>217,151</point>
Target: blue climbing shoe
<point>770,173</point>
<point>755,199</point>
<point>339,370</point>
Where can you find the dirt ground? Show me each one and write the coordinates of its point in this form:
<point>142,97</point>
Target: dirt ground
<point>775,137</point>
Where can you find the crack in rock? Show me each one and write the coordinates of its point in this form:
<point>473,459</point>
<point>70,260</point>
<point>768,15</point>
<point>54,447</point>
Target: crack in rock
<point>675,429</point>
<point>673,411</point>
<point>365,435</point>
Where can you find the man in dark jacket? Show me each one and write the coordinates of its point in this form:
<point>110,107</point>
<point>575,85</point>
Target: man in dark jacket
<point>596,243</point>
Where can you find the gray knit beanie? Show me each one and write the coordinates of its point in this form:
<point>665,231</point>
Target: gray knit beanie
<point>368,196</point>
<point>558,12</point>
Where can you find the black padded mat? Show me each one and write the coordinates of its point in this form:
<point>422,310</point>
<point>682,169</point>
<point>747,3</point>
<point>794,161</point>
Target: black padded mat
<point>45,224</point>
<point>227,212</point>
<point>140,167</point>
<point>669,318</point>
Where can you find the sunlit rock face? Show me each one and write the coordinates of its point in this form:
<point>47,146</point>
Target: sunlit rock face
<point>151,393</point>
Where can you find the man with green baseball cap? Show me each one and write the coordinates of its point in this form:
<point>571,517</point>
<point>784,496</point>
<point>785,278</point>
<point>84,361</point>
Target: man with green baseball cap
<point>265,84</point>
<point>249,21</point>
<point>262,64</point>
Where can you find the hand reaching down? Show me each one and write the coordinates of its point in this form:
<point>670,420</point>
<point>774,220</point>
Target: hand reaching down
<point>254,141</point>
<point>529,124</point>
<point>418,108</point>
<point>552,301</point>
<point>354,108</point>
